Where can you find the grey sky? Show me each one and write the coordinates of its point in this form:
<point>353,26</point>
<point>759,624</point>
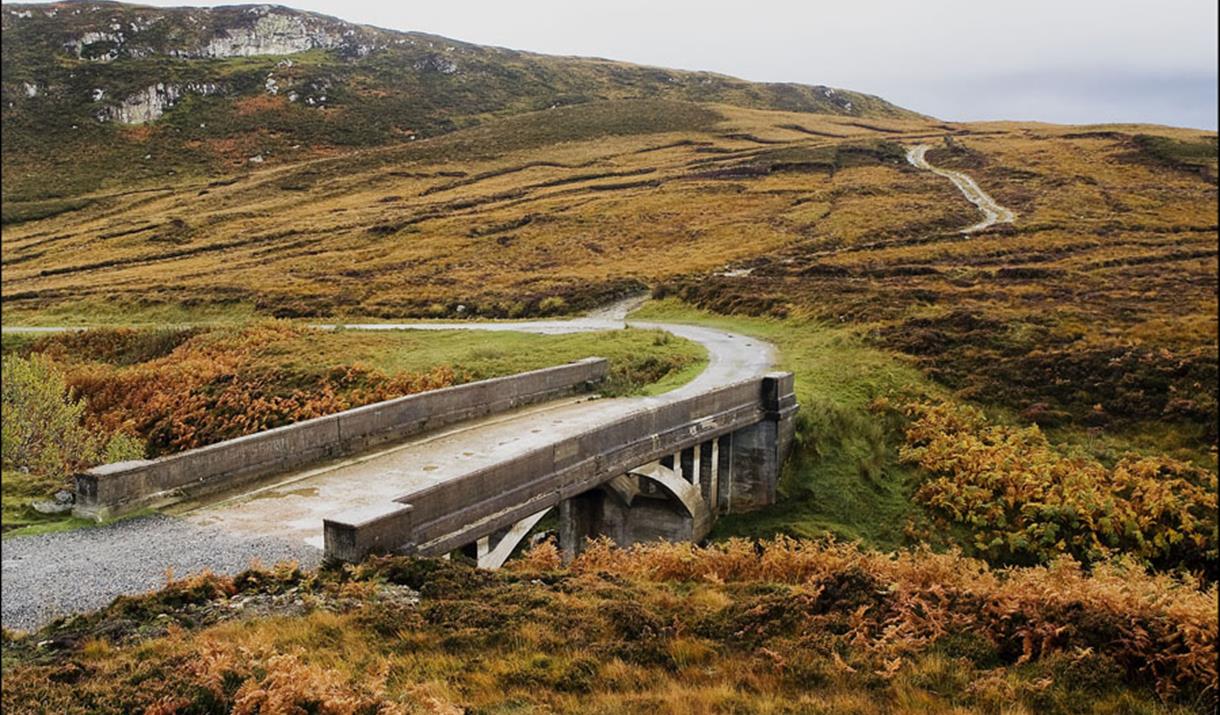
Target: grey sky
<point>1054,60</point>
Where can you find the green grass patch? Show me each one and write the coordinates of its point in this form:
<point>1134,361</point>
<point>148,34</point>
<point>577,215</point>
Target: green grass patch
<point>21,489</point>
<point>12,342</point>
<point>1182,440</point>
<point>1179,152</point>
<point>639,359</point>
<point>45,524</point>
<point>843,477</point>
<point>15,212</point>
<point>18,490</point>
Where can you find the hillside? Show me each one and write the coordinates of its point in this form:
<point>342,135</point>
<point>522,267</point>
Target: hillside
<point>1096,307</point>
<point>104,94</point>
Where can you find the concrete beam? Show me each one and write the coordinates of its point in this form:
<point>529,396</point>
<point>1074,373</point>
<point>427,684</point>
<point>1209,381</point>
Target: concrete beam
<point>379,528</point>
<point>494,558</point>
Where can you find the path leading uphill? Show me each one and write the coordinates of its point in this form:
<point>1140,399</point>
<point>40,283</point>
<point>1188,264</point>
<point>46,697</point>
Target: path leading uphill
<point>993,213</point>
<point>69,572</point>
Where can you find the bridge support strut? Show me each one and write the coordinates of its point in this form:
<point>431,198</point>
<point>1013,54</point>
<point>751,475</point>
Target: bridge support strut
<point>494,557</point>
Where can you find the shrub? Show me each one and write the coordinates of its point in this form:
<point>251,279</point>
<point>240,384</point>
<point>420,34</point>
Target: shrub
<point>211,386</point>
<point>43,430</point>
<point>893,606</point>
<point>552,305</point>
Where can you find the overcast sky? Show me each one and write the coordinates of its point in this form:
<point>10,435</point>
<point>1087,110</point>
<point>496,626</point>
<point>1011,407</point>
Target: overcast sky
<point>1072,61</point>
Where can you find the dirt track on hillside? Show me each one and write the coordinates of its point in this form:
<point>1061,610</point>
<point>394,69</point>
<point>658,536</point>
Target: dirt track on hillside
<point>993,212</point>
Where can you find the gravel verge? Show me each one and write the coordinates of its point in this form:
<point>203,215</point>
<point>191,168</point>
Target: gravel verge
<point>57,574</point>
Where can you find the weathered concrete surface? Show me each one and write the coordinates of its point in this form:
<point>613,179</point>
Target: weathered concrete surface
<point>296,506</point>
<point>114,489</point>
<point>757,452</point>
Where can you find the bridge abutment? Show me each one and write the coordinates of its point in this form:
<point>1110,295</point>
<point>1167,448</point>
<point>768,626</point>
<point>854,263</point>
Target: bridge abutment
<point>757,452</point>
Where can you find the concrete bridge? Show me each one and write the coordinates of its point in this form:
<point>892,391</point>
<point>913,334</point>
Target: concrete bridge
<point>662,472</point>
<point>477,466</point>
<point>471,468</point>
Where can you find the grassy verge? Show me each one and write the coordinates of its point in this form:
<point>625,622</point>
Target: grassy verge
<point>640,360</point>
<point>20,490</point>
<point>844,477</point>
<point>86,314</point>
<point>993,485</point>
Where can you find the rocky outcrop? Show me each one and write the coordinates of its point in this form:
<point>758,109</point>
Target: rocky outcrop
<point>151,102</point>
<point>240,32</point>
<point>98,46</point>
<point>271,34</point>
<point>835,98</point>
<point>436,63</point>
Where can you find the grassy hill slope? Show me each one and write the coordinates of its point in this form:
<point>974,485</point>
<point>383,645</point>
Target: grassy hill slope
<point>574,203</point>
<point>101,94</point>
<point>1095,310</point>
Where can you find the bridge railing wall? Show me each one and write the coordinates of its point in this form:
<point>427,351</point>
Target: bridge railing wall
<point>122,487</point>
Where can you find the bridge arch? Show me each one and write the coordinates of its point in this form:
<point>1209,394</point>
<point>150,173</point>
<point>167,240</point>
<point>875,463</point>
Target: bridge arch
<point>682,491</point>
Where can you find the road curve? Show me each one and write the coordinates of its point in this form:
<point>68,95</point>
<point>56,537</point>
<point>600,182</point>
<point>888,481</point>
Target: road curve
<point>57,574</point>
<point>993,213</point>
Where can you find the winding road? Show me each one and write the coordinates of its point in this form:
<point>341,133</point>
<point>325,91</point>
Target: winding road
<point>68,572</point>
<point>993,213</point>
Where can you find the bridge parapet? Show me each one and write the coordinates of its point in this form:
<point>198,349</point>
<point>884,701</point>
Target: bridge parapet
<point>114,489</point>
<point>750,424</point>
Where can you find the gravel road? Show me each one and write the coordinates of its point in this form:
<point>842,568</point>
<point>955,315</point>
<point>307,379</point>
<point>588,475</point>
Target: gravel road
<point>67,572</point>
<point>993,213</point>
